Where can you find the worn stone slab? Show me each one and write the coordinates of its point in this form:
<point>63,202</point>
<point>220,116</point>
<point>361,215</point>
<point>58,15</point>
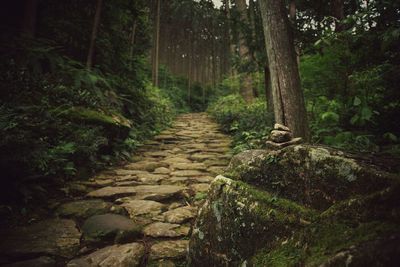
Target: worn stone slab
<point>148,178</point>
<point>189,166</point>
<point>149,166</point>
<point>200,187</point>
<point>82,209</point>
<point>160,229</point>
<point>113,191</point>
<point>189,173</point>
<point>143,207</point>
<point>128,255</point>
<point>202,157</point>
<point>58,237</point>
<point>162,170</point>
<point>169,250</point>
<point>109,227</point>
<point>180,215</point>
<point>176,159</point>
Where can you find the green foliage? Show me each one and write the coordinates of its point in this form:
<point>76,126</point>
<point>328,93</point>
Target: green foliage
<point>59,119</point>
<point>248,123</point>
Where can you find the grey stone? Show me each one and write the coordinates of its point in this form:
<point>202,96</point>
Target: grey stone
<point>109,227</point>
<point>160,229</point>
<point>83,209</point>
<point>128,255</point>
<point>280,136</point>
<point>113,191</point>
<point>58,237</point>
<point>190,166</point>
<point>143,207</point>
<point>281,127</point>
<point>188,173</point>
<point>180,215</point>
<point>169,250</point>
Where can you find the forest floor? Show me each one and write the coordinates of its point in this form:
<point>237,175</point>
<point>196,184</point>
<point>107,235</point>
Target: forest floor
<point>139,214</point>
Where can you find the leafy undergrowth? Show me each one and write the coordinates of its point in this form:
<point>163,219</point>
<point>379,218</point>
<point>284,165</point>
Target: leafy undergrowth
<point>249,124</point>
<point>69,121</point>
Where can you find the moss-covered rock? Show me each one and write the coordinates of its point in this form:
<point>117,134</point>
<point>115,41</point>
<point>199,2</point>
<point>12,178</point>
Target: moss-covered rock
<point>310,175</point>
<point>300,206</point>
<point>96,117</point>
<point>238,219</point>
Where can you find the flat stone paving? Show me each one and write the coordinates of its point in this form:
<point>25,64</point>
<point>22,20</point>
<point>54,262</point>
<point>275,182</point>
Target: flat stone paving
<point>160,192</point>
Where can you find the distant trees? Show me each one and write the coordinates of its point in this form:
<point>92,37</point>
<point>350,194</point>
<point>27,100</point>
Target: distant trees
<point>156,48</point>
<point>288,101</point>
<point>96,24</point>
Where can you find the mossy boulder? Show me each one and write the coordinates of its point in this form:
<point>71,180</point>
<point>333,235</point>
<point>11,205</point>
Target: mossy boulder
<point>97,117</point>
<point>313,176</point>
<point>115,124</point>
<point>238,219</point>
<point>300,206</point>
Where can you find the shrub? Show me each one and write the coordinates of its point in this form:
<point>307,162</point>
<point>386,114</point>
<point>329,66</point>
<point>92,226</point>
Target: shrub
<point>248,123</point>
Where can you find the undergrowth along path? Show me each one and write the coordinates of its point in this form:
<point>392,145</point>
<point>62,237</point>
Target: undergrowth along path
<point>139,214</point>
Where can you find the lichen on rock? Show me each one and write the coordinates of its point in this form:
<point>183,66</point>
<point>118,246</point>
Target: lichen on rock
<point>302,205</point>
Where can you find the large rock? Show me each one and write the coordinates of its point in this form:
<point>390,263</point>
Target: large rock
<point>180,215</point>
<point>160,229</point>
<point>149,166</point>
<point>128,255</point>
<point>109,227</point>
<point>113,192</point>
<point>58,237</point>
<point>143,207</point>
<point>236,220</point>
<point>299,206</point>
<point>83,209</point>
<point>169,250</point>
<point>158,192</point>
<point>310,175</point>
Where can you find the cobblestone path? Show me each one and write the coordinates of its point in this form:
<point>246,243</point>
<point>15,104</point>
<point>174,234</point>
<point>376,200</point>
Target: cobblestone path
<point>136,215</point>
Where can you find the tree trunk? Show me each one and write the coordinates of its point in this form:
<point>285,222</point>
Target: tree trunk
<point>133,33</point>
<point>156,45</point>
<point>268,89</point>
<point>292,16</point>
<point>289,107</point>
<point>338,14</point>
<point>89,62</point>
<point>29,21</point>
<point>246,85</point>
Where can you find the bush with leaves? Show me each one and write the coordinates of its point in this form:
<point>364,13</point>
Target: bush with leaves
<point>249,124</point>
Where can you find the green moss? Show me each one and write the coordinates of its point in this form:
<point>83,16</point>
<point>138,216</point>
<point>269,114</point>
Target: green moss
<point>319,242</point>
<point>270,206</point>
<point>96,117</point>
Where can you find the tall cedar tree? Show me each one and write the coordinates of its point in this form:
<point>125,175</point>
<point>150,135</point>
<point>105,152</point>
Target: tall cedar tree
<point>156,56</point>
<point>96,24</point>
<point>246,82</point>
<point>289,107</point>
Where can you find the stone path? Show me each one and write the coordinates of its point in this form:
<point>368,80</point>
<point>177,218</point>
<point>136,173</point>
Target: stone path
<point>136,215</point>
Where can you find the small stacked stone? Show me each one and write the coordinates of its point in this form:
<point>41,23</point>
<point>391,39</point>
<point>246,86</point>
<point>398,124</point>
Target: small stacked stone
<point>281,137</point>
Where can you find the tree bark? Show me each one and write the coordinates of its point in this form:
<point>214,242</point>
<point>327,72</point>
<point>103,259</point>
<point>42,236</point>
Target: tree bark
<point>246,85</point>
<point>156,45</point>
<point>133,33</point>
<point>29,21</point>
<point>338,14</point>
<point>268,90</point>
<point>289,106</point>
<point>89,61</point>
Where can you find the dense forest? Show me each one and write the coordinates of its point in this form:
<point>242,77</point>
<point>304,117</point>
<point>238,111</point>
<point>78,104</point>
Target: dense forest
<point>86,84</point>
